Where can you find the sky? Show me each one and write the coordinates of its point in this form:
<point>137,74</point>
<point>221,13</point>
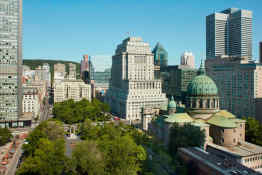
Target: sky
<point>68,29</point>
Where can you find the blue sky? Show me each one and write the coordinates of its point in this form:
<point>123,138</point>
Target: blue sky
<point>67,29</point>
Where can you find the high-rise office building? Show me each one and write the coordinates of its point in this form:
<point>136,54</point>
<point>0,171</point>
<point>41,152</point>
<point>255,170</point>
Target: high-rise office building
<point>133,84</point>
<point>239,84</point>
<point>188,59</point>
<point>10,61</point>
<point>229,33</point>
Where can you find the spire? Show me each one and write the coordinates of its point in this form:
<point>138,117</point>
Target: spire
<point>202,69</point>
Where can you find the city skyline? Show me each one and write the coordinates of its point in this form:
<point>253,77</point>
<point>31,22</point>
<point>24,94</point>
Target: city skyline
<point>73,34</point>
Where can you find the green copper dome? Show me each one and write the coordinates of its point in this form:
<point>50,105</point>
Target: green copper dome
<point>202,85</point>
<point>172,103</point>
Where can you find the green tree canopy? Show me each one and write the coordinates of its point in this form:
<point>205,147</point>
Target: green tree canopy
<point>51,130</point>
<point>5,136</point>
<point>253,131</point>
<point>49,159</point>
<point>185,136</point>
<point>88,159</point>
<point>74,112</point>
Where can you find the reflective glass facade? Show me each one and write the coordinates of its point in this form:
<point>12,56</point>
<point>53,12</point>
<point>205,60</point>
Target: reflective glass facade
<point>10,59</point>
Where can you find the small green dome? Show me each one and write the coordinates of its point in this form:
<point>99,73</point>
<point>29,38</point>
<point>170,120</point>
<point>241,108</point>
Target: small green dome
<point>202,85</point>
<point>172,103</point>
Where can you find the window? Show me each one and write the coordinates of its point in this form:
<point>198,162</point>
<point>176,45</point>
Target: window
<point>234,140</point>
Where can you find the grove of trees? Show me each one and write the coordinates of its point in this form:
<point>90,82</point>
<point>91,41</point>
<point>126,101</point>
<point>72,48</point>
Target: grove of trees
<point>253,131</point>
<point>75,112</point>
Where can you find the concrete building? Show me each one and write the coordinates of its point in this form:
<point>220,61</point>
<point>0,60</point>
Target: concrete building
<point>188,59</point>
<point>10,61</point>
<point>43,73</point>
<point>59,72</point>
<point>133,84</point>
<point>72,72</point>
<point>207,163</point>
<point>31,102</point>
<point>229,33</point>
<point>71,89</point>
<point>224,132</point>
<point>239,83</point>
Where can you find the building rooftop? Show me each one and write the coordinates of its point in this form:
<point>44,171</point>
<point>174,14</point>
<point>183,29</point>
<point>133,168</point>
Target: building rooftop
<point>243,149</point>
<point>222,121</point>
<point>224,166</point>
<point>178,118</point>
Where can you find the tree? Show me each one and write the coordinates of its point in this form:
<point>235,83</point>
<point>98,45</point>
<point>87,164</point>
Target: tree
<point>48,159</point>
<point>5,136</point>
<point>253,131</point>
<point>74,112</point>
<point>88,159</point>
<point>88,130</point>
<point>122,155</point>
<point>185,136</point>
<point>51,130</point>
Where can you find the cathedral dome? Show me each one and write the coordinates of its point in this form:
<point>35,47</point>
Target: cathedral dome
<point>202,85</point>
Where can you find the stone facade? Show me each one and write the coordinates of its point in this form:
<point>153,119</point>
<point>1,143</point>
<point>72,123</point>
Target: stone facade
<point>71,89</point>
<point>31,101</point>
<point>239,84</point>
<point>133,85</point>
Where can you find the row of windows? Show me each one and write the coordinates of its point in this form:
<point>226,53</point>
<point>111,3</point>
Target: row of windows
<point>253,159</point>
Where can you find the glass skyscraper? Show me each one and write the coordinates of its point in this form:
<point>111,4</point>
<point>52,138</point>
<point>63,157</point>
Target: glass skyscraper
<point>10,61</point>
<point>229,33</point>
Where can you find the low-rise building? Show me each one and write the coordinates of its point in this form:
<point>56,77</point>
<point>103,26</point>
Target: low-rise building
<point>208,163</point>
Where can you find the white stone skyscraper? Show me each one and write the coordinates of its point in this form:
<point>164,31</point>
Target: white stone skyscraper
<point>229,33</point>
<point>133,85</point>
<point>10,61</point>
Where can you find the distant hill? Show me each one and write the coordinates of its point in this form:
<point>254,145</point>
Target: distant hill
<point>38,62</point>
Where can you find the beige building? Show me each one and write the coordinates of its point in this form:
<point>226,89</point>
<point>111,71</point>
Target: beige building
<point>71,89</point>
<point>59,71</point>
<point>31,102</point>
<point>240,84</point>
<point>72,71</point>
<point>133,84</point>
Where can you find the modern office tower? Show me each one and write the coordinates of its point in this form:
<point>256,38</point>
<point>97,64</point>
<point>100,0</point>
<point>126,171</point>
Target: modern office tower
<point>179,76</point>
<point>133,85</point>
<point>260,52</point>
<point>87,69</point>
<point>10,62</point>
<point>188,59</point>
<point>160,55</point>
<point>229,33</point>
<point>239,84</point>
<point>71,89</point>
<point>72,71</point>
<point>160,60</point>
